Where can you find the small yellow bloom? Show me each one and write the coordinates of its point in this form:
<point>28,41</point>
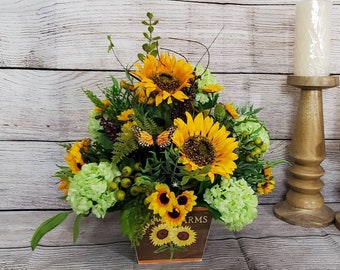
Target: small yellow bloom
<point>105,102</point>
<point>268,184</point>
<point>176,216</point>
<point>187,199</point>
<point>161,200</point>
<point>125,115</point>
<point>74,157</point>
<point>212,88</point>
<point>126,85</point>
<point>64,184</point>
<point>231,110</point>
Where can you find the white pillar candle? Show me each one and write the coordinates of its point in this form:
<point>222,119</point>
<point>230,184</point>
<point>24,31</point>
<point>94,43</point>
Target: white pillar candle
<point>312,37</point>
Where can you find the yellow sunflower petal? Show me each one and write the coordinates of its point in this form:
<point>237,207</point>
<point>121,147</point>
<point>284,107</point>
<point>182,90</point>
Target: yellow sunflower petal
<point>180,96</point>
<point>206,125</point>
<point>158,99</point>
<point>197,124</point>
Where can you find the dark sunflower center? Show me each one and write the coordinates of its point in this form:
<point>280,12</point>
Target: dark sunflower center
<point>163,198</point>
<point>183,236</point>
<point>162,234</point>
<point>182,200</point>
<point>174,214</point>
<point>167,82</point>
<point>199,150</point>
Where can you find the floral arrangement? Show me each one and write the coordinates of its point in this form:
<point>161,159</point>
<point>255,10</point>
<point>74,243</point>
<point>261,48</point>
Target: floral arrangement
<point>161,144</point>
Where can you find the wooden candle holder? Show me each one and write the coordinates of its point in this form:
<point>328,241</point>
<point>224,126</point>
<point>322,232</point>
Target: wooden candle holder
<point>337,220</point>
<point>304,204</point>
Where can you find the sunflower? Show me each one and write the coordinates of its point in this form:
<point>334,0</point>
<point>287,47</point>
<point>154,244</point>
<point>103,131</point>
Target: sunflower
<point>74,156</point>
<point>160,235</point>
<point>176,216</point>
<point>266,186</point>
<point>161,200</point>
<point>183,236</point>
<point>187,199</point>
<point>162,79</point>
<point>204,143</point>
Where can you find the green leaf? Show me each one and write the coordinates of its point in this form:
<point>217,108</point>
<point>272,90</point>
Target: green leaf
<point>141,56</point>
<point>111,45</point>
<point>47,226</point>
<point>149,15</point>
<point>153,46</point>
<point>146,47</point>
<point>151,29</point>
<point>76,226</point>
<point>185,180</point>
<point>154,53</point>
<point>146,35</point>
<point>205,170</point>
<point>162,249</point>
<point>179,248</point>
<point>61,175</point>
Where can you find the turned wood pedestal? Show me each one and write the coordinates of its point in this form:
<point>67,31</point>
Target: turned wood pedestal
<point>304,203</point>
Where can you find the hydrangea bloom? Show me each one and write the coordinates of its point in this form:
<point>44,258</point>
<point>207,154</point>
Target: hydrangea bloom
<point>235,200</point>
<point>94,127</point>
<point>207,81</point>
<point>88,190</point>
<point>202,98</point>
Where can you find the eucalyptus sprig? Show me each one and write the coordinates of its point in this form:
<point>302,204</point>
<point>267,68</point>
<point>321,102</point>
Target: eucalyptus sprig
<point>151,46</point>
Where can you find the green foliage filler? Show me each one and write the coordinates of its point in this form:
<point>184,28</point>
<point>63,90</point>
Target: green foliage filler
<point>134,216</point>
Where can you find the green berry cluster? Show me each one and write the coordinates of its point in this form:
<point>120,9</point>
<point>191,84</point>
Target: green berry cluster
<point>256,149</point>
<point>129,183</point>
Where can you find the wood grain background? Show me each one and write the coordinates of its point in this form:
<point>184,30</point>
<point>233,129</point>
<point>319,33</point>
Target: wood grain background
<point>50,50</point>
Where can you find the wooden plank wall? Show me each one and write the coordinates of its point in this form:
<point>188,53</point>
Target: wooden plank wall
<point>51,49</point>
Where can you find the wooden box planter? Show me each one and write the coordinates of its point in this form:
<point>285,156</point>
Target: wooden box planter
<point>162,243</point>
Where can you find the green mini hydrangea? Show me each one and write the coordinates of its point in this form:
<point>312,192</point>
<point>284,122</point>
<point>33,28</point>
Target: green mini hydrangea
<point>206,77</point>
<point>235,200</point>
<point>94,127</point>
<point>251,126</point>
<point>88,191</point>
<point>202,98</point>
<point>207,88</point>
